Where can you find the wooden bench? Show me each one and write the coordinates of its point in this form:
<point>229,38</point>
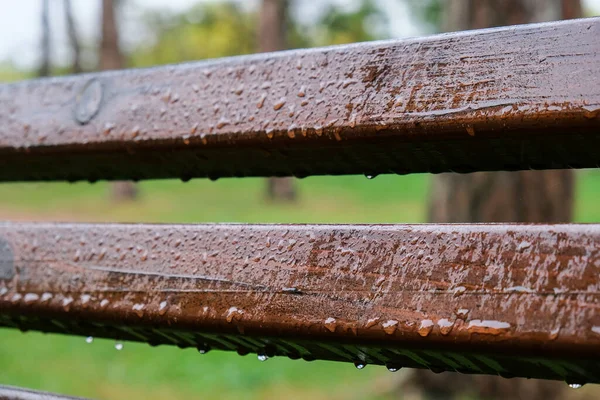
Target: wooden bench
<point>509,300</point>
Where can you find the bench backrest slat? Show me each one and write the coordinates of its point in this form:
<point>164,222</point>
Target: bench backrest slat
<point>390,294</point>
<point>500,99</point>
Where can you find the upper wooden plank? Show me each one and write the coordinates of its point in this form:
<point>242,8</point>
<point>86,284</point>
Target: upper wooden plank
<point>500,99</point>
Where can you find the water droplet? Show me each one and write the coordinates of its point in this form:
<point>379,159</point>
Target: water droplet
<point>302,91</point>
<point>330,324</point>
<point>459,290</point>
<point>489,327</point>
<point>89,339</point>
<point>445,326</point>
<point>67,303</point>
<point>162,308</point>
<point>135,131</point>
<point>371,322</point>
<point>222,123</point>
<point>31,297</point>
<point>575,385</point>
<point>203,348</point>
<point>85,298</point>
<point>348,82</point>
<point>523,245</point>
<point>390,326</point>
<point>336,134</point>
<point>119,346</point>
<point>262,357</point>
<point>392,367</point>
<point>233,313</point>
<point>108,127</point>
<point>352,120</point>
<point>425,328</point>
<point>277,106</point>
<point>139,309</point>
<point>261,101</point>
<point>360,364</point>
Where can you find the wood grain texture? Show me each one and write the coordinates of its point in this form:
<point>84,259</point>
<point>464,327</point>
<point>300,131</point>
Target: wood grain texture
<point>500,99</point>
<point>15,393</point>
<point>514,300</point>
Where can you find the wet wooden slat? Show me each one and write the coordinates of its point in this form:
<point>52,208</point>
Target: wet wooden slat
<point>500,99</point>
<point>514,300</point>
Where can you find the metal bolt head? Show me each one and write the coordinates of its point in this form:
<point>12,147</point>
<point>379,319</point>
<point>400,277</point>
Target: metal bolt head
<point>88,101</point>
<point>7,270</point>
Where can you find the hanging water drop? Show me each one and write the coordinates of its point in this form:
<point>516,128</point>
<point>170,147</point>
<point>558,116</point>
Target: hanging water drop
<point>360,364</point>
<point>425,328</point>
<point>575,385</point>
<point>392,367</point>
<point>262,357</point>
<point>203,348</point>
<point>119,346</point>
<point>89,339</point>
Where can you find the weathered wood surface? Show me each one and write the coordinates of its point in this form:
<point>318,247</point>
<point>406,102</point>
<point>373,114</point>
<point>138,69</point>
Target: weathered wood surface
<point>15,393</point>
<point>500,99</point>
<point>514,300</point>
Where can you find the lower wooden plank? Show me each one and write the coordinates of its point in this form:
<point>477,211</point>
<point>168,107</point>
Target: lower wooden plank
<point>513,300</point>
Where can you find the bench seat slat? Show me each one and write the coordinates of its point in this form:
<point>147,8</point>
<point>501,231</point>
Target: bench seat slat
<point>499,99</point>
<point>515,300</point>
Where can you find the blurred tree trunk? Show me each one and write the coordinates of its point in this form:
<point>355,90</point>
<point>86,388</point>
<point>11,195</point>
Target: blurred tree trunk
<point>112,58</point>
<point>524,196</point>
<point>73,38</point>
<point>44,69</point>
<point>271,37</point>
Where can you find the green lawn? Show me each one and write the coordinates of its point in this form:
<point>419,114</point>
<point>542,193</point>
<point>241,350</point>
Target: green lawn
<point>69,365</point>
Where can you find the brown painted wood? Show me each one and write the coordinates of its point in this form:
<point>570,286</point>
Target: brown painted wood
<point>501,99</point>
<point>514,300</point>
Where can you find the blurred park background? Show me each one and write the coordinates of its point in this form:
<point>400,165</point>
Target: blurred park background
<point>54,37</point>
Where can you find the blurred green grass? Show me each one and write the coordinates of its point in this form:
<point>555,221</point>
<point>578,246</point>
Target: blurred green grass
<point>349,199</point>
<point>68,365</point>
